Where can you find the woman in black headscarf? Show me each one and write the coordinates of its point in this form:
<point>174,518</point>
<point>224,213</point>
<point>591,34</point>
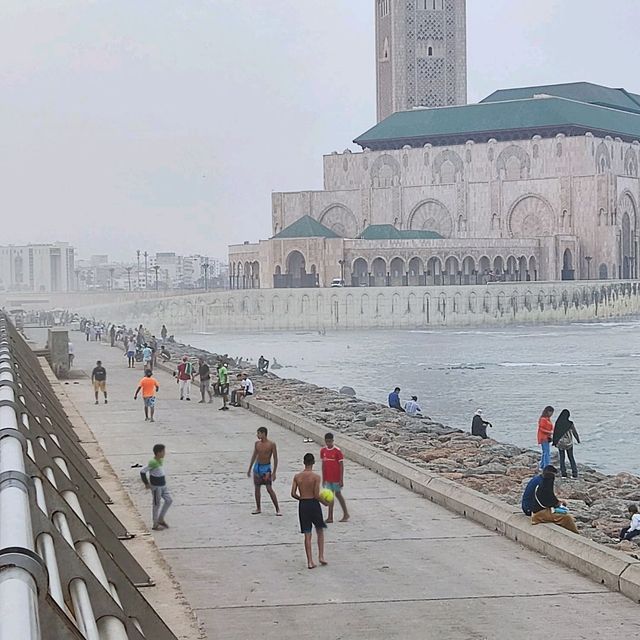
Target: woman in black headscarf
<point>564,433</point>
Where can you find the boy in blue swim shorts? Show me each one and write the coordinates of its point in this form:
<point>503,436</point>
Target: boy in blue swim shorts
<point>260,467</point>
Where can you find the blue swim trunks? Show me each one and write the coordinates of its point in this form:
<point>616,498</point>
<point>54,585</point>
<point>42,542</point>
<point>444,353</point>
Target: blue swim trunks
<point>261,474</point>
<point>332,486</point>
<point>150,401</point>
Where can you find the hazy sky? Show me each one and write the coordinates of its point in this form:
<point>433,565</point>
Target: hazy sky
<point>166,124</point>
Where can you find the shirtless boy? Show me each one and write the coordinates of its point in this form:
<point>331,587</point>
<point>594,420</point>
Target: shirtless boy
<point>306,489</point>
<point>260,466</point>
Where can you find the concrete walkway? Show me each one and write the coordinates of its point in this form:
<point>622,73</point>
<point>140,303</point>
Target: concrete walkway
<point>403,568</point>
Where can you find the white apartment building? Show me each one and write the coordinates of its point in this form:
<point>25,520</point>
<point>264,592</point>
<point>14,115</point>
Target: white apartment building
<point>37,267</point>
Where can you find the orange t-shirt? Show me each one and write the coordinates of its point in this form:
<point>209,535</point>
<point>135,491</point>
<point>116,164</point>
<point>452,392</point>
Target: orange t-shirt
<point>148,386</point>
<point>545,430</point>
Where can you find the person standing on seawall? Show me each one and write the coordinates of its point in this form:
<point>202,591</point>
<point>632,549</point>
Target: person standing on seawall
<point>545,435</point>
<point>563,434</point>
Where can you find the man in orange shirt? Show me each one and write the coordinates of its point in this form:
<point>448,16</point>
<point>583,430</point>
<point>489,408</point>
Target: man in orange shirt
<point>149,386</point>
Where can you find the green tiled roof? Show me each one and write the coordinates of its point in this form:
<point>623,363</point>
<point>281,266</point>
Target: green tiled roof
<point>306,227</point>
<point>389,232</point>
<point>580,91</point>
<point>503,119</point>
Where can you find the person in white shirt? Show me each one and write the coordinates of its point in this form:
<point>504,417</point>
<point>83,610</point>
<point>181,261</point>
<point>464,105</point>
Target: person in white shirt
<point>633,530</point>
<point>412,408</point>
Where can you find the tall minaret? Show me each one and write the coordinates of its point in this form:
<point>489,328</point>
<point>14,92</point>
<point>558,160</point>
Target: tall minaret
<point>421,54</point>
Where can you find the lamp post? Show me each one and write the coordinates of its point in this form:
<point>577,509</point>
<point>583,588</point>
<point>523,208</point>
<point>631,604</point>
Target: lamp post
<point>588,260</point>
<point>341,263</point>
<point>111,270</point>
<point>128,270</point>
<point>156,268</point>
<point>138,278</point>
<point>205,267</point>
<point>146,282</point>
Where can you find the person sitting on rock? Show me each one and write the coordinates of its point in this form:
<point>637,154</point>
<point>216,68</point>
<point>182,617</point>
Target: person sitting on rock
<point>479,425</point>
<point>263,364</point>
<point>528,497</point>
<point>633,530</point>
<point>546,506</point>
<point>394,400</point>
<point>412,408</point>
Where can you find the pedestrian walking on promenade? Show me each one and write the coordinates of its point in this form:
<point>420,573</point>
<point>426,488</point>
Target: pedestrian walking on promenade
<point>163,332</point>
<point>306,490</point>
<point>204,375</point>
<point>149,387</point>
<point>545,435</point>
<point>147,357</point>
<point>99,380</point>
<point>223,385</point>
<point>564,433</point>
<point>333,475</point>
<point>112,335</point>
<point>263,473</point>
<point>157,483</point>
<point>131,353</point>
<point>184,377</point>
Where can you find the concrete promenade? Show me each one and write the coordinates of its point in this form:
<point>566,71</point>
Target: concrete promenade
<point>403,568</point>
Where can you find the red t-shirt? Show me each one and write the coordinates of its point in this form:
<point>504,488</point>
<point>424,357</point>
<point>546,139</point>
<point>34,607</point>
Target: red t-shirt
<point>331,467</point>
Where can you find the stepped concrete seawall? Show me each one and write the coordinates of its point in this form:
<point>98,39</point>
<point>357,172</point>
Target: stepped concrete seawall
<point>383,307</point>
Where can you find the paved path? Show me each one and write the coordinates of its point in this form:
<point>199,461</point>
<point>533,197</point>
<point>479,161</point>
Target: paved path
<point>402,569</point>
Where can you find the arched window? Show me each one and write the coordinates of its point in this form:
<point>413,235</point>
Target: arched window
<point>429,51</point>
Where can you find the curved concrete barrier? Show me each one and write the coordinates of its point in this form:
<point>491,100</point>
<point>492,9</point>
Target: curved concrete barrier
<point>616,570</point>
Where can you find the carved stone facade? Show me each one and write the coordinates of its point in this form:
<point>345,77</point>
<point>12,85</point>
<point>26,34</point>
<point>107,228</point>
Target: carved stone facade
<point>537,209</point>
<point>420,54</point>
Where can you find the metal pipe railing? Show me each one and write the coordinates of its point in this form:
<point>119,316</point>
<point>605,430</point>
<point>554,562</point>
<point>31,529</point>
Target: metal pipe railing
<point>19,616</point>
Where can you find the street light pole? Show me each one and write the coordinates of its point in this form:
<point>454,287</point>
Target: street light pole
<point>205,266</point>
<point>156,268</point>
<point>138,278</point>
<point>111,270</point>
<point>128,270</point>
<point>146,283</point>
<point>588,260</point>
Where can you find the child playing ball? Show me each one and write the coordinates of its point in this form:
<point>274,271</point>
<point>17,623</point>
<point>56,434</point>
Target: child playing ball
<point>333,475</point>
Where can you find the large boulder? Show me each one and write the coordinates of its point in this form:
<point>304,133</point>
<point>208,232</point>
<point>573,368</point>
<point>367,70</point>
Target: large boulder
<point>347,391</point>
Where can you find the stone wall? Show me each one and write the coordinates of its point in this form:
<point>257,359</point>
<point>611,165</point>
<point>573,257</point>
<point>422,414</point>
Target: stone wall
<point>381,307</point>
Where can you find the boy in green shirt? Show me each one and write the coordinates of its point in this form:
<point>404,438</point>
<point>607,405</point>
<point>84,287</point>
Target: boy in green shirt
<point>157,482</point>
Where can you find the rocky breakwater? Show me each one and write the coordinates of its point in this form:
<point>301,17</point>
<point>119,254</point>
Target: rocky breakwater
<point>597,501</point>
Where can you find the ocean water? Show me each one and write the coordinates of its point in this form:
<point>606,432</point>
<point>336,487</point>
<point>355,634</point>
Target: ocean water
<point>512,373</point>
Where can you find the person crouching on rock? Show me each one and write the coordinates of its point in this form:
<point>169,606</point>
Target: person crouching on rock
<point>546,507</point>
<point>479,425</point>
<point>633,530</point>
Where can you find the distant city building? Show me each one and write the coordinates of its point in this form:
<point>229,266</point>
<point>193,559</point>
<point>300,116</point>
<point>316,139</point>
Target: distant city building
<point>99,260</point>
<point>173,272</point>
<point>532,183</point>
<point>37,267</point>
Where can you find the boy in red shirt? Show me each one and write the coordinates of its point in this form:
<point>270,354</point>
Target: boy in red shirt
<point>333,475</point>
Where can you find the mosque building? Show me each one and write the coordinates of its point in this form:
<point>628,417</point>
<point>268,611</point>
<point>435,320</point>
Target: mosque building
<point>531,183</point>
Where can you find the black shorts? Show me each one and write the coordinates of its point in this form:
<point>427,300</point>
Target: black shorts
<point>310,514</point>
<point>224,389</point>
